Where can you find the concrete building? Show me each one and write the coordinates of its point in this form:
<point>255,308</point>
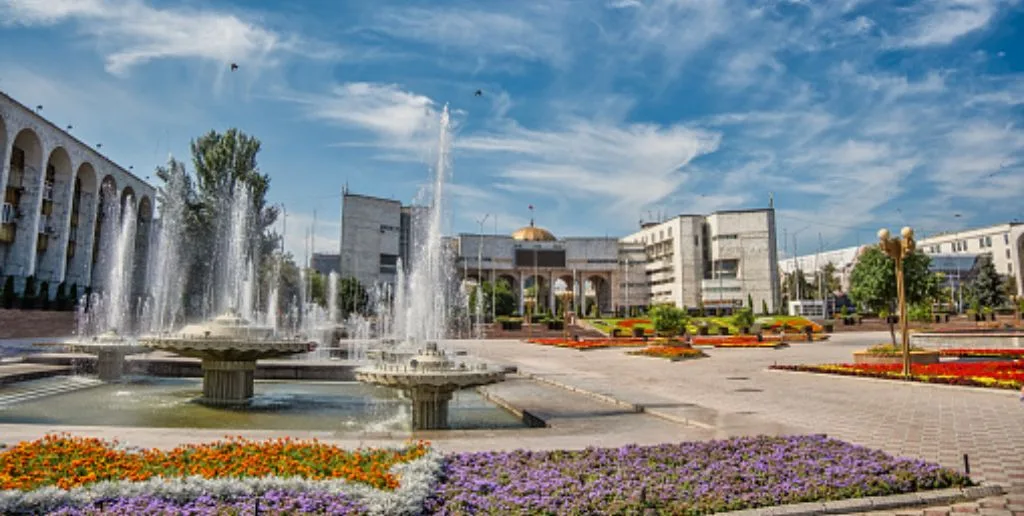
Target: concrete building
<point>718,259</point>
<point>375,234</point>
<point>326,263</point>
<point>842,260</point>
<point>57,190</point>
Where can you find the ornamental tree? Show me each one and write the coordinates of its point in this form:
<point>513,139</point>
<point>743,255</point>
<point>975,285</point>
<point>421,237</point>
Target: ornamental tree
<point>873,282</point>
<point>668,319</point>
<point>987,286</point>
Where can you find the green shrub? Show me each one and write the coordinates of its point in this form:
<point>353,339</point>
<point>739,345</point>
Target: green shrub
<point>744,318</point>
<point>44,296</point>
<point>10,297</point>
<point>668,319</point>
<point>28,295</point>
<point>764,308</point>
<point>921,312</point>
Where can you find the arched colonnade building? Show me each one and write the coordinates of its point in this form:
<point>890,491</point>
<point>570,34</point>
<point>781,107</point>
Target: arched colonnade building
<point>57,192</point>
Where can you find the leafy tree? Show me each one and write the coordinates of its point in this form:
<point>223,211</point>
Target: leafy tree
<point>317,287</point>
<point>668,319</point>
<point>873,282</point>
<point>10,297</point>
<point>764,307</point>
<point>500,292</point>
<point>61,298</point>
<point>987,286</point>
<point>744,318</point>
<point>796,286</point>
<point>44,296</point>
<point>1010,286</point>
<point>222,163</point>
<point>352,296</point>
<point>750,301</point>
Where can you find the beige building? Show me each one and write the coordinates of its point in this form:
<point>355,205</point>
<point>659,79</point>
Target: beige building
<point>718,260</point>
<point>56,192</point>
<point>1004,243</point>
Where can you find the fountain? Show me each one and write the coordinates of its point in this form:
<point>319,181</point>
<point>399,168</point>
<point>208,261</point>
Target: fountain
<point>104,330</point>
<point>421,312</point>
<point>229,347</point>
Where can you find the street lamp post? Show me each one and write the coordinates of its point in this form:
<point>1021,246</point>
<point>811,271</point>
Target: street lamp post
<point>898,249</point>
<point>480,275</point>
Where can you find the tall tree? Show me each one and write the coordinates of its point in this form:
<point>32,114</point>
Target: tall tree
<point>352,296</point>
<point>500,293</point>
<point>222,162</point>
<point>987,287</point>
<point>873,281</point>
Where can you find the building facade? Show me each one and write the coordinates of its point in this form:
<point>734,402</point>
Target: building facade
<point>375,235</point>
<point>57,192</point>
<point>955,254</point>
<point>326,263</point>
<point>719,261</point>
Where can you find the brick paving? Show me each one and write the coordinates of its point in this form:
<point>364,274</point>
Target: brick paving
<point>733,393</point>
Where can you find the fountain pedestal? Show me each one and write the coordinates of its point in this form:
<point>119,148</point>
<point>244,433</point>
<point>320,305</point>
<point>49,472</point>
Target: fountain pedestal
<point>228,382</point>
<point>428,379</point>
<point>429,407</point>
<point>110,364</point>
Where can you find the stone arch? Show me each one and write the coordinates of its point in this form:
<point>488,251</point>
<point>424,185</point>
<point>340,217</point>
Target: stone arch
<point>3,152</point>
<point>143,236</point>
<point>597,289</point>
<point>84,198</point>
<point>565,292</point>
<point>24,181</point>
<point>8,210</point>
<point>54,207</point>
<point>127,195</point>
<point>108,213</point>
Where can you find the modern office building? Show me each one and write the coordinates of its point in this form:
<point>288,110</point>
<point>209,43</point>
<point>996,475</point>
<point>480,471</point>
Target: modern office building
<point>375,235</point>
<point>326,263</point>
<point>56,193</point>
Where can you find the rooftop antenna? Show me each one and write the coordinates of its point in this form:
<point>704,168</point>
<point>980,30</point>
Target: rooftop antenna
<point>771,200</point>
<point>531,215</point>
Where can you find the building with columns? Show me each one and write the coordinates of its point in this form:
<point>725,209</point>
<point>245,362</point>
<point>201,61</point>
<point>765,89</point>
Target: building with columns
<point>57,191</point>
<point>720,261</point>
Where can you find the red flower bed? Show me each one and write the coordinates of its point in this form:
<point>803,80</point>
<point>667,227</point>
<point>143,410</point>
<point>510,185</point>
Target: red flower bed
<point>1000,375</point>
<point>983,353</point>
<point>669,352</point>
<point>629,323</point>
<point>589,343</point>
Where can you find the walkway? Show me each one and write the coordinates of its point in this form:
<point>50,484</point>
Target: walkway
<point>733,393</point>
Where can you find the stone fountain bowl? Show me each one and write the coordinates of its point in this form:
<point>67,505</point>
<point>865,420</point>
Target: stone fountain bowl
<point>109,341</point>
<point>429,367</point>
<point>228,337</point>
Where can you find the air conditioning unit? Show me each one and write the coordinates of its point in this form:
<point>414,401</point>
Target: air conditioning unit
<point>7,213</point>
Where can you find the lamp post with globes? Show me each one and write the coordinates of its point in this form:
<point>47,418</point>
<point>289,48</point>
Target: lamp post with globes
<point>898,249</point>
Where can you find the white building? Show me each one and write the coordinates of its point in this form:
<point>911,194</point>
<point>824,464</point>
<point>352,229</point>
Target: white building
<point>1002,243</point>
<point>56,190</point>
<point>718,260</point>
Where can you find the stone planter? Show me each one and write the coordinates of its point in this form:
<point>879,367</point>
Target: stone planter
<point>702,330</point>
<point>829,327</point>
<point>556,325</point>
<point>638,332</point>
<point>916,357</point>
<point>511,325</point>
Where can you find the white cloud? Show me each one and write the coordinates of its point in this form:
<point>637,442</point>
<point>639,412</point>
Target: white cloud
<point>622,167</point>
<point>529,35</point>
<point>131,33</point>
<point>940,22</point>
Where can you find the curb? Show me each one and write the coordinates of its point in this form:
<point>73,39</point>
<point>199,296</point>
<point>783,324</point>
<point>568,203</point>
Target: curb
<point>967,388</point>
<point>634,407</point>
<point>526,416</point>
<point>878,503</point>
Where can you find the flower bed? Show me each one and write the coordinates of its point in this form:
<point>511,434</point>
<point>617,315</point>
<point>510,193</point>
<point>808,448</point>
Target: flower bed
<point>1016,353</point>
<point>687,478</point>
<point>733,341</point>
<point>589,343</point>
<point>670,352</point>
<point>998,375</point>
<point>774,344</point>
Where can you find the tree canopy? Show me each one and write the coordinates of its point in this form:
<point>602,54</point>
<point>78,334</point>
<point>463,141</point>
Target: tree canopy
<point>986,289</point>
<point>873,280</point>
<point>668,319</point>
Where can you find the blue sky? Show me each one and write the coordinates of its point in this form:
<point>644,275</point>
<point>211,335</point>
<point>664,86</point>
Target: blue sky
<point>856,114</point>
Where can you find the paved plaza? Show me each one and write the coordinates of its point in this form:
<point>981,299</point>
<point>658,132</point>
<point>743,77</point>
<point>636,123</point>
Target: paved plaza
<point>608,398</point>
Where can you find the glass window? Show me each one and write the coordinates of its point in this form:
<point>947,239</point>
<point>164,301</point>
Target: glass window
<point>988,241</point>
<point>981,241</point>
<point>1006,238</point>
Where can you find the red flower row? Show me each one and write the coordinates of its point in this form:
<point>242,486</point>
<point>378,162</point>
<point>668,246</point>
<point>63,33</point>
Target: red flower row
<point>1004,375</point>
<point>986,352</point>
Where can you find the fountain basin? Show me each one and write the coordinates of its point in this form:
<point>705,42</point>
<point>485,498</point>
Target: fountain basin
<point>429,379</point>
<point>229,348</point>
<point>110,349</point>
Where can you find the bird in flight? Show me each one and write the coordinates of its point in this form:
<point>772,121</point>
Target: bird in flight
<point>234,66</point>
<point>479,93</point>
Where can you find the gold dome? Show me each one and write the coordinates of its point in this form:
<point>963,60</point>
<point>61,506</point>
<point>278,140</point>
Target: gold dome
<point>533,233</point>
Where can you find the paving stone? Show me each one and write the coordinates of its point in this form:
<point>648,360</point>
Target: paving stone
<point>967,507</point>
<point>937,511</point>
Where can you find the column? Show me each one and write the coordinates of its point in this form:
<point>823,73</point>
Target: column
<point>551,292</point>
<point>429,407</point>
<point>228,382</point>
<point>522,293</point>
<point>110,364</point>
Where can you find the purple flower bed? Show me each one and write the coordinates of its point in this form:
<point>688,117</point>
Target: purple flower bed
<point>272,503</point>
<point>687,478</point>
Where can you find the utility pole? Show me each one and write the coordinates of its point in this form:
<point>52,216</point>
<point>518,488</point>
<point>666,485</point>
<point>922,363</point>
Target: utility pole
<point>479,270</point>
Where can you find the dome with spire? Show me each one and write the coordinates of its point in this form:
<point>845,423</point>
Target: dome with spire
<point>533,233</point>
